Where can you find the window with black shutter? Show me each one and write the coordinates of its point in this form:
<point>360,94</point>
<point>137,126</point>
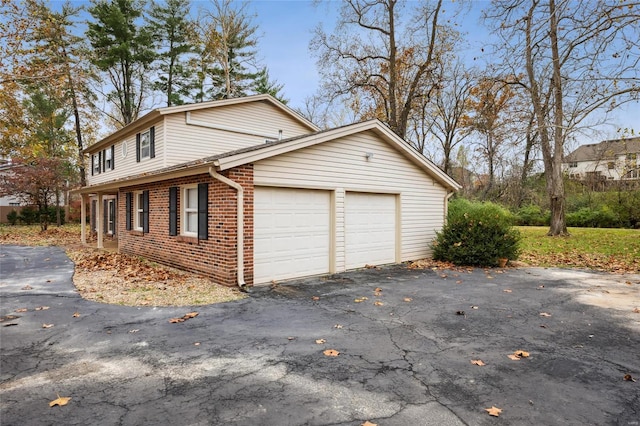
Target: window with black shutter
<point>173,211</point>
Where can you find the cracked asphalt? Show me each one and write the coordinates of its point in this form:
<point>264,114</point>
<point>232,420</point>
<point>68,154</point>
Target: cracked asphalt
<point>406,361</point>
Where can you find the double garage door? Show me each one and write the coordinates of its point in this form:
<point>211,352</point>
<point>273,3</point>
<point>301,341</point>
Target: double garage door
<point>293,229</point>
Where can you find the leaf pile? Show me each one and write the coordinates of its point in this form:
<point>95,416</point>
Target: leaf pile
<point>128,267</point>
<point>32,236</point>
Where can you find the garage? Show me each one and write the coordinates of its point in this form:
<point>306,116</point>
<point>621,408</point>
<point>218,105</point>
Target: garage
<point>370,229</point>
<point>291,233</point>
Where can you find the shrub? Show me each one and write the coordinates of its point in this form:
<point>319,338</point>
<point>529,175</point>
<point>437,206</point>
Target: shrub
<point>476,234</point>
<point>29,215</point>
<point>532,215</point>
<point>585,217</point>
<point>12,217</point>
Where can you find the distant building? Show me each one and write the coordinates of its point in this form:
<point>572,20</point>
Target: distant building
<point>7,203</point>
<point>608,160</point>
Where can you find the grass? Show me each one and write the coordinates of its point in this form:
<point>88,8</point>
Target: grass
<point>612,250</point>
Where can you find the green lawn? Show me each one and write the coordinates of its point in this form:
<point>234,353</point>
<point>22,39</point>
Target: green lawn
<point>614,250</point>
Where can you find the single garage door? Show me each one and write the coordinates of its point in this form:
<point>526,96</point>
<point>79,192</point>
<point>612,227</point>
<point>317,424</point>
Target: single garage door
<point>370,229</point>
<point>291,233</point>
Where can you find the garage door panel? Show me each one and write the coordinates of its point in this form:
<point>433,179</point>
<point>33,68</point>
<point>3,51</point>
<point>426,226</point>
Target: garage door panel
<point>291,233</point>
<point>370,229</point>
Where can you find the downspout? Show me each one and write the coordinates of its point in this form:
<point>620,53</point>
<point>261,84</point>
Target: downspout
<point>240,225</point>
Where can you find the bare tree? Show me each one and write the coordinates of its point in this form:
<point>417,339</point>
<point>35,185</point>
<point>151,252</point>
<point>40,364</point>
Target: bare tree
<point>573,58</point>
<point>388,57</point>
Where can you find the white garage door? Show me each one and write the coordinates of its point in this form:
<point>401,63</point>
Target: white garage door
<point>291,233</point>
<point>370,229</point>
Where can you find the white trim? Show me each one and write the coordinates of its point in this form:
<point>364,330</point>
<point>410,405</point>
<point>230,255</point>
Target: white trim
<point>185,210</point>
<point>138,209</point>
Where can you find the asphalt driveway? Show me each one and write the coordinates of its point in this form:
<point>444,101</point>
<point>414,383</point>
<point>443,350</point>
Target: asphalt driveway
<point>405,360</point>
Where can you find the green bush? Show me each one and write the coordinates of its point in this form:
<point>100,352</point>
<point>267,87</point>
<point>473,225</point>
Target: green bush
<point>29,215</point>
<point>12,217</point>
<point>532,215</point>
<point>585,217</point>
<point>476,234</point>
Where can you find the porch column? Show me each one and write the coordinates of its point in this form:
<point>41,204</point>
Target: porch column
<point>83,219</point>
<point>99,219</point>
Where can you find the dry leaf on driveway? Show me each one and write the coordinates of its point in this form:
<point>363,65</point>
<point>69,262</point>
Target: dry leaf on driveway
<point>494,411</point>
<point>47,325</point>
<point>331,352</point>
<point>545,314</point>
<point>320,341</point>
<point>378,303</point>
<point>61,400</point>
<point>368,423</point>
<point>629,378</point>
<point>408,299</point>
<point>477,362</point>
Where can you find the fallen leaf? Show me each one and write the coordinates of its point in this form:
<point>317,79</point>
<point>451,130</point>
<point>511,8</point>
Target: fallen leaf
<point>378,303</point>
<point>507,290</point>
<point>368,423</point>
<point>321,341</point>
<point>135,330</point>
<point>61,400</point>
<point>460,313</point>
<point>291,338</point>
<point>377,290</point>
<point>514,357</point>
<point>545,314</point>
<point>474,307</point>
<point>408,299</point>
<point>315,298</point>
<point>337,326</point>
<point>331,352</point>
<point>443,275</point>
<point>176,320</point>
<point>190,315</point>
<point>493,411</point>
<point>76,314</point>
<point>459,282</point>
<point>21,310</point>
<point>358,300</point>
<point>521,354</point>
<point>377,293</point>
<point>27,287</point>
<point>477,362</point>
<point>629,378</point>
<point>196,344</point>
<point>42,308</point>
<point>185,317</point>
<point>541,286</point>
<point>489,277</point>
<point>47,325</point>
<point>636,311</point>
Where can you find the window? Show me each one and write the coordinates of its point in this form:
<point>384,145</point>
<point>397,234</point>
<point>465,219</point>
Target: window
<point>632,156</point>
<point>108,158</point>
<point>573,164</point>
<point>611,165</point>
<point>145,145</point>
<point>190,211</point>
<point>96,163</point>
<point>138,210</point>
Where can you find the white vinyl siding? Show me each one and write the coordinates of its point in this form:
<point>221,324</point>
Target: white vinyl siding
<point>125,159</point>
<point>291,233</point>
<point>187,142</point>
<point>342,166</point>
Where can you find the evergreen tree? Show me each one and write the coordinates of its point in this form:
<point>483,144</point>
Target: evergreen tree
<point>173,36</point>
<point>263,84</point>
<point>122,48</point>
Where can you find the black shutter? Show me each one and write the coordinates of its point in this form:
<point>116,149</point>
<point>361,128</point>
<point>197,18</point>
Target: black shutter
<point>138,147</point>
<point>113,157</point>
<point>92,163</point>
<point>173,210</point>
<point>104,160</point>
<point>129,208</point>
<point>94,206</point>
<point>152,142</point>
<point>145,211</point>
<point>105,215</point>
<point>203,211</point>
<point>99,170</point>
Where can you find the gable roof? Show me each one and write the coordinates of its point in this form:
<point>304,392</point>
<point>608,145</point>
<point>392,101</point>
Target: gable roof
<point>150,117</point>
<point>605,150</point>
<point>255,153</point>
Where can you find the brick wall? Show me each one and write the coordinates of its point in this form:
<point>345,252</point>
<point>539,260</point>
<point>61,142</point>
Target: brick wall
<point>215,257</point>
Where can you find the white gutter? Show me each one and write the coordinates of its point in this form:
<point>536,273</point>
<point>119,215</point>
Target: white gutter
<point>240,225</point>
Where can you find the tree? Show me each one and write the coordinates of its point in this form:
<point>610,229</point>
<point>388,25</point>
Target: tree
<point>34,181</point>
<point>448,109</point>
<point>228,50</point>
<point>488,105</point>
<point>264,85</point>
<point>122,48</point>
<point>174,38</point>
<point>391,63</point>
<point>573,59</point>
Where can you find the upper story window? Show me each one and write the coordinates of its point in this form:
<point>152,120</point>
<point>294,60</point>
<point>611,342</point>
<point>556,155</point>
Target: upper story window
<point>573,164</point>
<point>95,168</point>
<point>611,165</point>
<point>108,158</point>
<point>145,145</point>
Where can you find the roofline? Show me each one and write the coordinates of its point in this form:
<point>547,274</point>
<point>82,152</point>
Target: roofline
<point>143,121</point>
<point>271,150</point>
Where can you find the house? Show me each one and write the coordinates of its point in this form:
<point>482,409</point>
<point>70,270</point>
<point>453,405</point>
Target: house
<point>8,203</point>
<point>608,160</point>
<point>247,191</point>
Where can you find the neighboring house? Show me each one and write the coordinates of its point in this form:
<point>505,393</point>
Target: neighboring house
<point>617,159</point>
<point>7,203</point>
<point>248,191</point>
